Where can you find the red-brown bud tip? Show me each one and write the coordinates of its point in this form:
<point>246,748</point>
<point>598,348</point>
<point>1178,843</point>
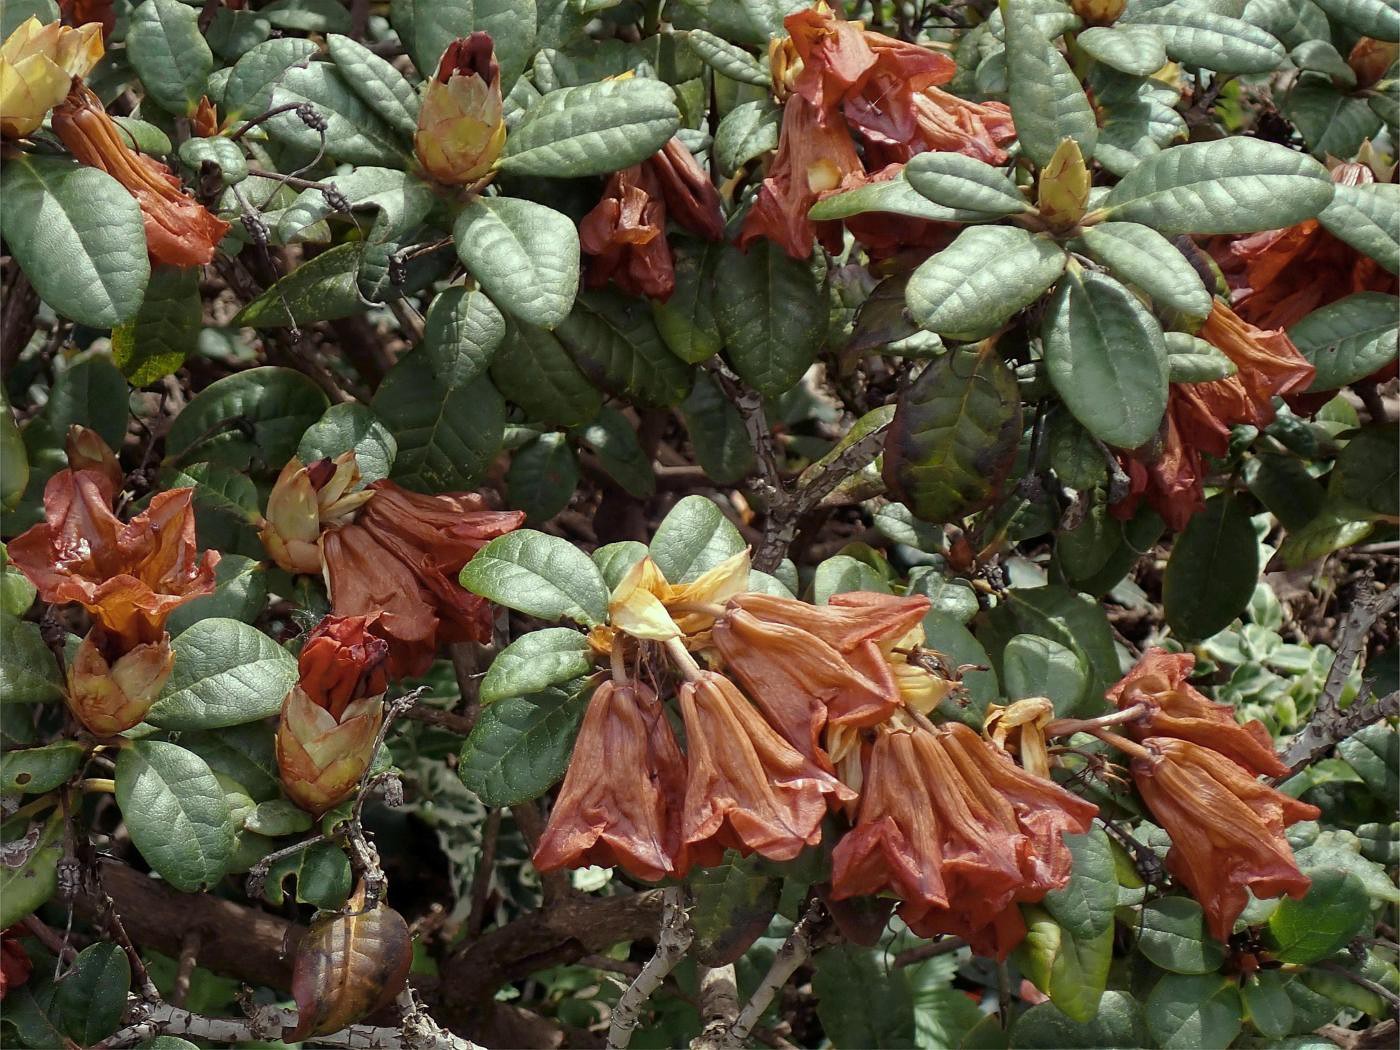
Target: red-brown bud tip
<point>475,54</point>
<point>343,660</point>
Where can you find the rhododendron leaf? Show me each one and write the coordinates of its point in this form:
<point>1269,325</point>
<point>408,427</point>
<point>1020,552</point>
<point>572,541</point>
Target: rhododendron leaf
<point>1266,1003</point>
<point>1072,971</point>
<point>525,255</point>
<point>521,746</point>
<point>1140,255</point>
<point>612,437</point>
<point>226,673</point>
<point>1367,217</point>
<point>35,770</point>
<point>733,904</point>
<point>747,131</point>
<point>347,966</point>
<point>354,134</point>
<point>1047,101</point>
<point>176,812</point>
<point>461,334</point>
<point>249,88</point>
<point>277,404</point>
<point>543,576</point>
<point>320,289</point>
<point>860,1001</point>
<point>401,199</point>
<point>1349,339</point>
<point>1119,1022</point>
<point>687,320</point>
<point>1364,479</point>
<point>92,996</point>
<point>1212,569</point>
<point>533,370</point>
<point>28,672</point>
<point>771,314</point>
<point>613,340</point>
<point>1193,360</point>
<point>382,87</point>
<point>14,479</point>
<point>1375,18</point>
<point>592,129</point>
<point>615,560</point>
<point>164,331</point>
<point>729,59</point>
<point>346,428</point>
<point>896,197</point>
<point>321,876</point>
<point>1036,666</point>
<point>89,392</point>
<point>1136,50</point>
<point>1200,37</point>
<point>536,661</point>
<point>1193,1011</point>
<point>1331,530</point>
<point>27,887</point>
<point>1172,934</point>
<point>965,184</point>
<point>693,538</point>
<point>1332,122</point>
<point>542,477</point>
<point>167,49</point>
<point>1064,616</point>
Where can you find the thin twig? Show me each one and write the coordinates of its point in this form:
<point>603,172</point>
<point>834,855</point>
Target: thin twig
<point>481,878</point>
<point>189,956</point>
<point>672,941</point>
<point>927,950</point>
<point>806,937</point>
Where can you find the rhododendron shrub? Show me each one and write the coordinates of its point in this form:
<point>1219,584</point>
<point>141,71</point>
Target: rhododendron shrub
<point>544,523</point>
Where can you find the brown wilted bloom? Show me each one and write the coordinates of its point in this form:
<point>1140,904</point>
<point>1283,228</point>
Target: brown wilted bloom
<point>1169,473</point>
<point>746,787</point>
<point>622,797</point>
<point>15,966</point>
<point>461,129</point>
<point>80,12</point>
<point>330,719</point>
<point>949,124</point>
<point>644,604</point>
<point>1160,680</point>
<point>625,235</point>
<point>1227,829</point>
<point>1370,59</point>
<point>401,557</point>
<point>87,450</point>
<point>691,199</point>
<point>304,501</point>
<point>130,576</point>
<point>179,230</point>
<point>807,665</point>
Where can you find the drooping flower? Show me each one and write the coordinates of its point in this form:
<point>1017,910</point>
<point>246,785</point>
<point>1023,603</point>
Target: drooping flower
<point>1227,828</point>
<point>691,199</point>
<point>179,230</point>
<point>1169,474</point>
<point>949,124</point>
<point>644,604</point>
<point>110,689</point>
<point>15,965</point>
<point>1175,709</point>
<point>746,787</point>
<point>461,129</point>
<point>37,65</point>
<point>330,719</point>
<point>622,797</point>
<point>86,450</point>
<point>1019,728</point>
<point>304,501</point>
<point>625,236</point>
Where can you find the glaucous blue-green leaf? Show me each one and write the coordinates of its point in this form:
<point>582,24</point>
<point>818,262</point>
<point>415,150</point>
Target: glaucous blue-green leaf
<point>1319,56</point>
<point>1197,36</point>
<point>1140,255</point>
<point>1047,102</point>
<point>278,404</point>
<point>226,673</point>
<point>1367,218</point>
<point>92,996</point>
<point>542,477</point>
<point>320,289</point>
<point>1107,358</point>
<point>308,16</point>
<point>1193,360</point>
<point>1071,971</point>
<point>1036,666</point>
<point>592,129</point>
<point>540,575</point>
<point>1119,1022</point>
<point>249,88</point>
<point>1374,18</point>
<point>16,12</point>
<point>349,427</point>
<point>382,87</point>
<point>521,745</point>
<point>36,770</point>
<point>156,341</point>
<point>354,133</point>
<point>1291,21</point>
<point>176,812</point>
<point>1267,1005</point>
<point>224,154</point>
<point>525,256</point>
<point>1139,118</point>
<point>28,671</point>
<point>731,60</point>
<point>964,184</point>
<point>401,199</point>
<point>1172,934</point>
<point>1331,121</point>
<point>1135,50</point>
<point>615,560</point>
<point>1349,339</point>
<point>694,537</point>
<point>461,334</point>
<point>613,340</point>
<point>536,661</point>
<point>771,315</point>
<point>747,131</point>
<point>1212,570</point>
<point>612,437</point>
<point>1231,185</point>
<point>78,236</point>
<point>533,370</point>
<point>842,573</point>
<point>895,196</point>
<point>980,280</point>
<point>322,875</point>
<point>165,46</point>
<point>428,26</point>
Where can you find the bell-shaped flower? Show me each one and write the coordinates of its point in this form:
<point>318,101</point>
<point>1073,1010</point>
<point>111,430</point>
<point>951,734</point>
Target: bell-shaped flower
<point>461,127</point>
<point>130,576</point>
<point>110,690</point>
<point>37,65</point>
<point>1160,681</point>
<point>947,123</point>
<point>179,230</point>
<point>746,787</point>
<point>644,604</point>
<point>625,236</point>
<point>1227,828</point>
<point>622,797</point>
<point>304,501</point>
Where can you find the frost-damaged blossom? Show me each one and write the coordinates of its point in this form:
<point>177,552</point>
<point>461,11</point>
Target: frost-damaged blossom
<point>304,501</point>
<point>330,719</point>
<point>37,66</point>
<point>15,965</point>
<point>1175,709</point>
<point>622,797</point>
<point>1227,828</point>
<point>179,230</point>
<point>461,129</point>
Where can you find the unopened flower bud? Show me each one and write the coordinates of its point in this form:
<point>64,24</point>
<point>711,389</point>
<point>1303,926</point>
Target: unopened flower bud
<point>343,661</point>
<point>1370,59</point>
<point>461,127</point>
<point>205,122</point>
<point>304,500</point>
<point>110,693</point>
<point>1098,12</point>
<point>1064,186</point>
<point>321,759</point>
<point>88,451</point>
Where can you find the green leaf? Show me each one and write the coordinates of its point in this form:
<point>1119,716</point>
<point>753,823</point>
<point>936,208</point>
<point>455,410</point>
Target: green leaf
<point>176,813</point>
<point>447,436</point>
<point>542,477</point>
<point>592,129</point>
<point>165,46</point>
<point>428,26</point>
<point>1349,339</point>
<point>25,889</point>
<point>525,255</point>
<point>614,341</point>
<point>322,874</point>
<point>1192,360</point>
<point>1212,570</point>
<point>613,439</point>
<point>980,280</point>
<point>1069,618</point>
<point>225,503</point>
<point>308,16</point>
<point>693,538</point>
<point>842,573</point>
<point>277,817</point>
<point>226,673</point>
<point>1047,102</point>
<point>1073,972</point>
<point>1331,121</point>
<point>687,320</point>
<point>731,60</point>
<point>1364,478</point>
<point>1374,752</point>
<point>277,404</point>
<point>28,671</point>
<point>255,74</point>
<point>539,575</point>
<point>965,183</point>
<point>771,315</point>
<point>894,196</point>
<point>36,770</point>
<point>461,333</point>
<point>346,428</point>
<point>90,392</point>
<point>1200,37</point>
<point>717,432</point>
<point>1119,1022</point>
<point>14,477</point>
<point>381,86</point>
<point>615,560</point>
<point>533,370</point>
<point>533,662</point>
<point>1140,255</point>
<point>1084,908</point>
<point>1036,666</point>
<point>1377,18</point>
<point>1266,1003</point>
<point>954,435</point>
<point>78,236</point>
<point>320,289</point>
<point>1172,934</point>
<point>354,133</point>
<point>156,341</point>
<point>401,199</point>
<point>733,903</point>
<point>521,746</point>
<point>1135,50</point>
<point>1231,185</point>
<point>861,1001</point>
<point>1107,358</point>
<point>92,996</point>
<point>1186,1012</point>
<point>1365,217</point>
<point>16,12</point>
<point>1329,531</point>
<point>747,131</point>
<point>245,754</point>
<point>1334,911</point>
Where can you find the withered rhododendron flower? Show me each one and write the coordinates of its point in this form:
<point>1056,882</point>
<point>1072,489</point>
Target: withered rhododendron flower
<point>1370,59</point>
<point>625,234</point>
<point>1227,829</point>
<point>622,796</point>
<point>808,665</point>
<point>461,130</point>
<point>401,557</point>
<point>330,719</point>
<point>644,604</point>
<point>130,576</point>
<point>946,123</point>
<point>746,787</point>
<point>179,230</point>
<point>304,500</point>
<point>1159,680</point>
<point>37,66</point>
<point>15,966</point>
<point>1169,475</point>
